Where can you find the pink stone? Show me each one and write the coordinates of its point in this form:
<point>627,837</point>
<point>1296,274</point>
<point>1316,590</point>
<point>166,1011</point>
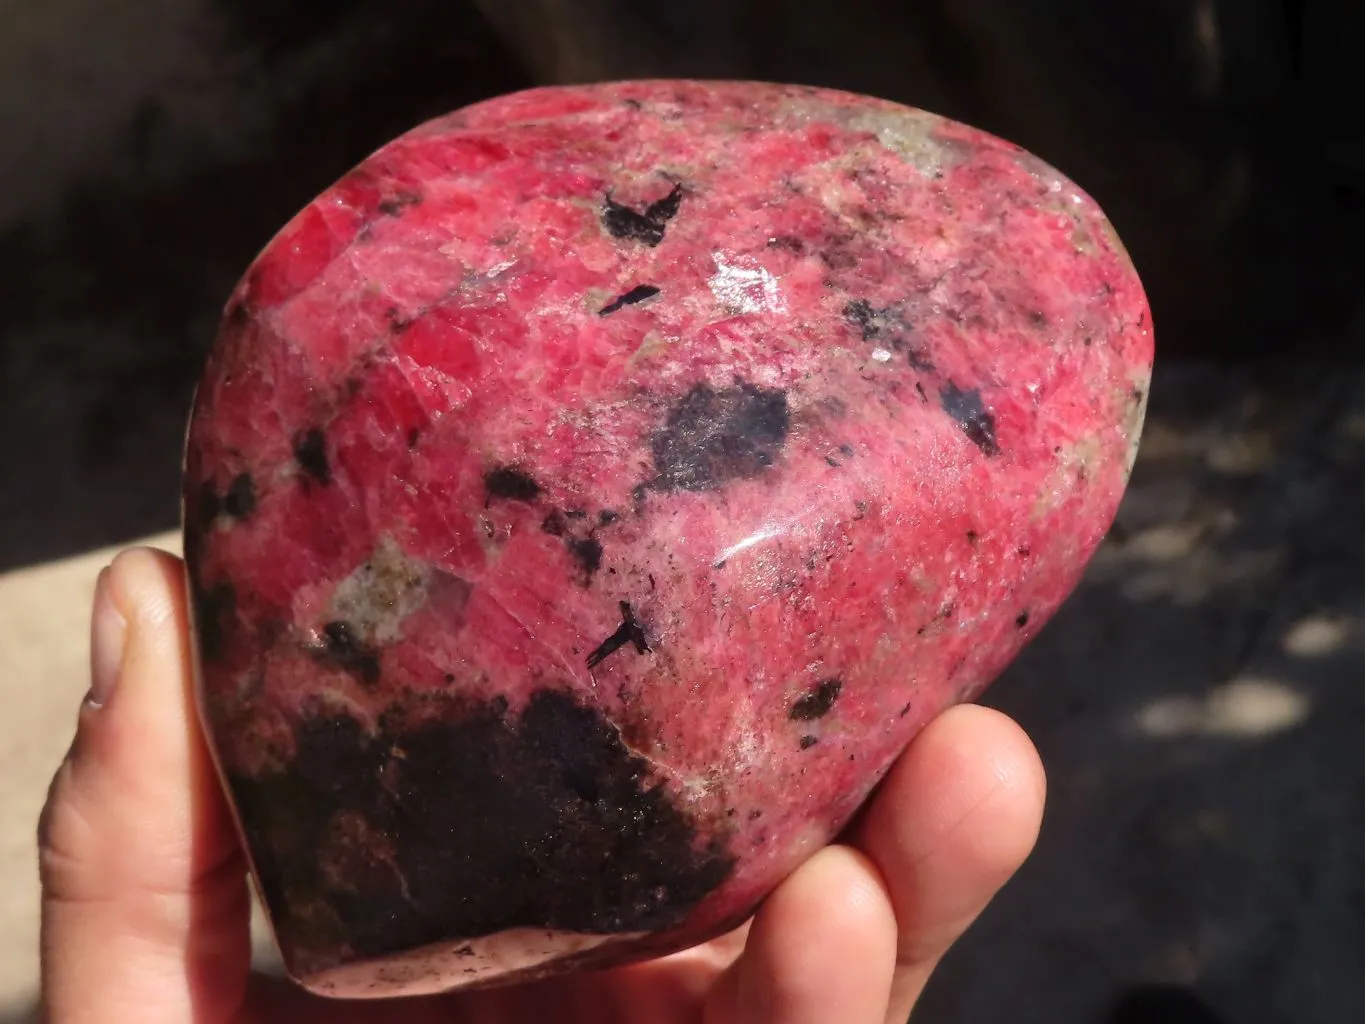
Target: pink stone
<point>590,495</point>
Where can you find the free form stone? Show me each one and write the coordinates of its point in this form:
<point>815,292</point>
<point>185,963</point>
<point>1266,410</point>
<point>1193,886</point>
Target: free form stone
<point>590,495</point>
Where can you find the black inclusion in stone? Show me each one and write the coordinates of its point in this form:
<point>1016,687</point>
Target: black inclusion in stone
<point>647,227</point>
<point>629,632</point>
<point>714,436</point>
<point>343,646</point>
<point>817,702</point>
<point>860,314</point>
<point>484,822</point>
<point>587,553</point>
<point>510,483</point>
<point>637,294</point>
<point>240,499</point>
<point>971,415</point>
<point>392,206</point>
<point>310,452</point>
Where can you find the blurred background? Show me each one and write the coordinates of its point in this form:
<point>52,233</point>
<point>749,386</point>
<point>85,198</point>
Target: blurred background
<point>1200,704</point>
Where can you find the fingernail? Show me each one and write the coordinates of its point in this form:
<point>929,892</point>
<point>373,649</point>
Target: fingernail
<point>108,635</point>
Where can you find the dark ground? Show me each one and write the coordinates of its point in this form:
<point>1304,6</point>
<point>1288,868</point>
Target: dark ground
<point>1200,702</point>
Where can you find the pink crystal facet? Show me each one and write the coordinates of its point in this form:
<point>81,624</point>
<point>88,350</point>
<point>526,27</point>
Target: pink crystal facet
<point>590,495</point>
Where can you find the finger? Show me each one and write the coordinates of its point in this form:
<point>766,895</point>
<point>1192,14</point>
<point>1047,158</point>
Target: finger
<point>952,822</point>
<point>822,948</point>
<point>145,905</point>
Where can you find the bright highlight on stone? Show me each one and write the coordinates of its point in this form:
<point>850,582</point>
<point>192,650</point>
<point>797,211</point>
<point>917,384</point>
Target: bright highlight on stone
<point>590,495</point>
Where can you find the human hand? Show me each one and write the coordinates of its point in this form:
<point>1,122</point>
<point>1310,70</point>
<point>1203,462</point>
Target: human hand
<point>146,910</point>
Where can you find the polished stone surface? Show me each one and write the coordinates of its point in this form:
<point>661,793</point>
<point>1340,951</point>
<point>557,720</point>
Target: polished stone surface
<point>591,494</point>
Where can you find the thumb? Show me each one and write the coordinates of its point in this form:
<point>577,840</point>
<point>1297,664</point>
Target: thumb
<point>145,908</point>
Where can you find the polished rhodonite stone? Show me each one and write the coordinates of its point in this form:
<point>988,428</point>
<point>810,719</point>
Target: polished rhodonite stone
<point>591,494</point>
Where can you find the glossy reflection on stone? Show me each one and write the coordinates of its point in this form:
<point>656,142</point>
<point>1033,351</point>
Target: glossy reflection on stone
<point>590,495</point>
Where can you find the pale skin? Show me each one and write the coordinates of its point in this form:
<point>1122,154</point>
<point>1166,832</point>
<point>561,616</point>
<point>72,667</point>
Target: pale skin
<point>146,905</point>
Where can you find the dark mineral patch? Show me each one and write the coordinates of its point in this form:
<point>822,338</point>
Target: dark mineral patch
<point>240,499</point>
<point>637,294</point>
<point>647,227</point>
<point>310,452</point>
<point>510,483</point>
<point>392,206</point>
<point>713,436</point>
<point>817,702</point>
<point>860,314</point>
<point>553,524</point>
<point>342,646</point>
<point>587,552</point>
<point>467,822</point>
<point>971,415</point>
<point>629,632</point>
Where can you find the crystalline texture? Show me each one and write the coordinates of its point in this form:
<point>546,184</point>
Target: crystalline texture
<point>591,494</point>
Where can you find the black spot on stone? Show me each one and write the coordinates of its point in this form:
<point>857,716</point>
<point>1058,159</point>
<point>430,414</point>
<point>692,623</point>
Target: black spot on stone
<point>310,452</point>
<point>807,742</point>
<point>971,415</point>
<point>577,514</point>
<point>414,435</point>
<point>240,499</point>
<point>341,646</point>
<point>817,702</point>
<point>789,242</point>
<point>846,450</point>
<point>553,524</point>
<point>236,315</point>
<point>1021,620</point>
<point>485,822</point>
<point>633,104</point>
<point>510,483</point>
<point>647,227</point>
<point>587,553</point>
<point>919,389</point>
<point>667,208</point>
<point>629,632</point>
<point>973,538</point>
<point>713,436</point>
<point>214,607</point>
<point>450,677</point>
<point>607,516</point>
<point>919,360</point>
<point>1038,318</point>
<point>637,294</point>
<point>392,206</point>
<point>860,314</point>
<point>1023,551</point>
<point>1137,395</point>
<point>905,710</point>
